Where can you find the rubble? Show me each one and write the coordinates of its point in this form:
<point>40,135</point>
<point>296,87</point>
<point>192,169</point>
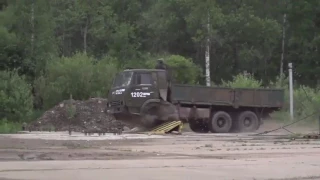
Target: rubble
<point>81,116</point>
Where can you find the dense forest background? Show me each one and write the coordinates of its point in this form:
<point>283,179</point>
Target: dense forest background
<point>51,49</point>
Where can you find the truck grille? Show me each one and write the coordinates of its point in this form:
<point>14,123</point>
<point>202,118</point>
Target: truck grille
<point>115,103</point>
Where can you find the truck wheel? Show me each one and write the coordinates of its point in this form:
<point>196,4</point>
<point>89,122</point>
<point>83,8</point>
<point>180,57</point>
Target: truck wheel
<point>149,115</point>
<point>221,122</point>
<point>247,121</point>
<point>149,121</point>
<point>198,127</point>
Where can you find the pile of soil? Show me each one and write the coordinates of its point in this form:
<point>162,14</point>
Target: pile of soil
<point>80,116</point>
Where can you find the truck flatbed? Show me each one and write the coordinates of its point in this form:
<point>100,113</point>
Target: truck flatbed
<point>222,96</point>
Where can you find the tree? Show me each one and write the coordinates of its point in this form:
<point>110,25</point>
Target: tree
<point>182,69</point>
<point>30,22</point>
<point>80,75</point>
<point>16,101</point>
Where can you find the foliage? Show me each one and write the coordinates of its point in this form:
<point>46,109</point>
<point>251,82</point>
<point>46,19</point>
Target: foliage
<point>182,69</point>
<point>243,80</point>
<point>30,22</point>
<point>306,102</point>
<point>80,75</point>
<point>11,54</point>
<point>42,40</point>
<point>8,127</point>
<point>16,101</point>
<point>245,35</point>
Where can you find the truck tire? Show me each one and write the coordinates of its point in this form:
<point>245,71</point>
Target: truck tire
<point>220,122</point>
<point>247,121</point>
<point>149,115</point>
<point>198,127</point>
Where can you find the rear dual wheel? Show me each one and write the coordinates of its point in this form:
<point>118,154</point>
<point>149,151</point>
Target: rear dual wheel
<point>246,121</point>
<point>221,122</point>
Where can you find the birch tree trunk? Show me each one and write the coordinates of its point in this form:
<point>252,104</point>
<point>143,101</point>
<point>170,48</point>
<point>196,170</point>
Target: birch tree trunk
<point>85,32</point>
<point>32,27</point>
<point>283,45</point>
<point>208,79</point>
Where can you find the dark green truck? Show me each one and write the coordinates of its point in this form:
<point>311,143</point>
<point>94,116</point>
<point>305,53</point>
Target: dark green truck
<point>147,97</point>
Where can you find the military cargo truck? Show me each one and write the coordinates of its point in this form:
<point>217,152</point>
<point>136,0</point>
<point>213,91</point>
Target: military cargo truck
<point>148,97</point>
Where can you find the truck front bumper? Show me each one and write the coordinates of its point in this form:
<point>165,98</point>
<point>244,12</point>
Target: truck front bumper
<point>115,110</point>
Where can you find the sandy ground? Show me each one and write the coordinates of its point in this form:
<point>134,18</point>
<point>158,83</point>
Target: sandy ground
<point>56,155</point>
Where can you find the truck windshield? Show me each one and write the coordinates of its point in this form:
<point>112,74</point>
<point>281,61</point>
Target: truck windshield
<point>123,79</point>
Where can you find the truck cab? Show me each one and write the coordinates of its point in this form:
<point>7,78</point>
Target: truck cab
<point>133,89</point>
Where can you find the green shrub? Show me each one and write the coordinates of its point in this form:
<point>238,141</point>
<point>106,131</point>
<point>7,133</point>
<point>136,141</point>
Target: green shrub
<point>16,101</point>
<point>306,101</point>
<point>306,105</point>
<point>8,127</point>
<point>183,70</point>
<point>80,75</point>
<point>242,81</point>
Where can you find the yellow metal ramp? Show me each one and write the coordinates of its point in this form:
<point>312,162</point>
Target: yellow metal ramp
<point>167,127</point>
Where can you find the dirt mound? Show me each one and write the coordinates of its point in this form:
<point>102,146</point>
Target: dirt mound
<point>81,116</point>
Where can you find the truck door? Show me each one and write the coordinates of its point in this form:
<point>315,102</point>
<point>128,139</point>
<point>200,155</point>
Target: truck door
<point>163,85</point>
<point>143,88</point>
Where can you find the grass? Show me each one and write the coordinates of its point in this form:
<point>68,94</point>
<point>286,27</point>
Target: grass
<point>9,127</point>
